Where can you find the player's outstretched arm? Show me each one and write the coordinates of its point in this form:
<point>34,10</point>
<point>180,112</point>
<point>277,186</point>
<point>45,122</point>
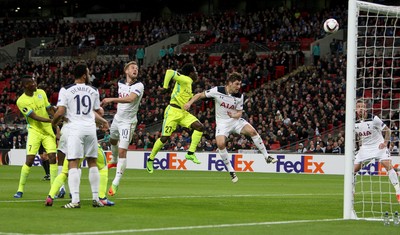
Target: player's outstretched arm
<point>195,98</point>
<point>128,99</point>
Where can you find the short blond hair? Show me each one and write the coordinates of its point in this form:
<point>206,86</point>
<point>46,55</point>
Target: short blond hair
<point>129,63</point>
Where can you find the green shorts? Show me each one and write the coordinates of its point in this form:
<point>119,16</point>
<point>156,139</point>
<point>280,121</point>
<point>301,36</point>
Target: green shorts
<point>175,116</point>
<point>36,139</point>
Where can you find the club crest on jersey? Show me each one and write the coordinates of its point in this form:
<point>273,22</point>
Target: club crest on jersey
<point>227,106</point>
<point>40,96</point>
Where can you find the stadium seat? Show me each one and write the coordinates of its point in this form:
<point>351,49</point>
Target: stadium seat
<point>279,71</point>
<point>368,93</point>
<point>275,146</point>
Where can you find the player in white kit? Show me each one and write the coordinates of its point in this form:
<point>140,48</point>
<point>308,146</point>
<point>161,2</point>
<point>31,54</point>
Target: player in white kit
<point>76,102</point>
<point>130,92</point>
<point>228,117</point>
<point>371,143</point>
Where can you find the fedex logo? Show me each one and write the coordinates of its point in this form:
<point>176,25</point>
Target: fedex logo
<point>237,162</point>
<point>37,161</point>
<point>170,162</point>
<point>305,165</point>
<point>375,168</point>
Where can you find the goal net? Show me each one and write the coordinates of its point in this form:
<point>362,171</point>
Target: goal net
<point>373,74</point>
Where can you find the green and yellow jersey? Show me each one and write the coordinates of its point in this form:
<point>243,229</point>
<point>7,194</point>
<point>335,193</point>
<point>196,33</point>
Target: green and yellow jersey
<point>182,91</point>
<point>37,103</point>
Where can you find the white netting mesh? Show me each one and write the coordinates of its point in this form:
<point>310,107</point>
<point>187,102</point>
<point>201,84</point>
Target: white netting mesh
<point>378,82</point>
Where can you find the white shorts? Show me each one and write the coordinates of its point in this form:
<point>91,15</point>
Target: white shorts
<point>231,127</point>
<point>123,132</point>
<point>81,144</point>
<point>371,152</point>
<point>62,143</point>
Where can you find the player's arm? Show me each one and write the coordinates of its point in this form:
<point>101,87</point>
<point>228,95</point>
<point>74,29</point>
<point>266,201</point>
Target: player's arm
<point>168,76</point>
<point>58,115</point>
<point>100,121</point>
<point>34,116</point>
<point>51,110</point>
<point>238,114</point>
<point>127,99</point>
<point>195,98</point>
<point>387,133</point>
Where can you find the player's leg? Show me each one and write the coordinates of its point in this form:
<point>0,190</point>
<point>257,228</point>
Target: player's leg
<point>168,126</point>
<point>75,153</point>
<point>91,150</point>
<point>45,162</point>
<point>387,163</point>
<point>114,137</point>
<point>103,171</point>
<point>61,169</point>
<point>61,152</point>
<point>58,183</point>
<point>50,146</point>
<point>32,147</point>
<point>190,121</point>
<point>126,133</point>
<point>221,143</point>
<point>247,129</point>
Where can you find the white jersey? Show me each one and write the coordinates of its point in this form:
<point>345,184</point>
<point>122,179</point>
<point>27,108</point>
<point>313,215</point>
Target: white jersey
<point>225,103</point>
<point>80,100</point>
<point>369,131</point>
<point>126,112</point>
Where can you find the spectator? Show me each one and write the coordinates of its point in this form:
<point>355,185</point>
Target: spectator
<point>335,148</point>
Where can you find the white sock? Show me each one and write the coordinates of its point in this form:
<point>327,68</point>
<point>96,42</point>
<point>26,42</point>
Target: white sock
<point>224,155</point>
<point>121,166</point>
<point>59,170</point>
<point>395,180</point>
<point>114,151</point>
<point>74,182</point>
<point>94,179</point>
<point>260,145</point>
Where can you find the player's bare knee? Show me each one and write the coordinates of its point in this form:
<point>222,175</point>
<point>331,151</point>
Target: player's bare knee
<point>164,139</point>
<point>113,141</point>
<point>198,126</point>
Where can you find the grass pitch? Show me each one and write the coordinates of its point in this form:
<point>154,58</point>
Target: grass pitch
<point>183,202</point>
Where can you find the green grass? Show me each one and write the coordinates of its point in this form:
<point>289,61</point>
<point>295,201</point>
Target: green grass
<point>183,202</point>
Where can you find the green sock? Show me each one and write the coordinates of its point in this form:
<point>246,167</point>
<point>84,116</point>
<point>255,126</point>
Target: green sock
<point>156,148</point>
<point>53,172</point>
<point>57,183</point>
<point>103,182</point>
<point>25,170</point>
<point>196,138</point>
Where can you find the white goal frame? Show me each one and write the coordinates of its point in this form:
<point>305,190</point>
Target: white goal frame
<point>352,35</point>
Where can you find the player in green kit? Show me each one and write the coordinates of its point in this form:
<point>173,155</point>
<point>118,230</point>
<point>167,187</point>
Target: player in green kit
<point>34,105</point>
<point>175,114</point>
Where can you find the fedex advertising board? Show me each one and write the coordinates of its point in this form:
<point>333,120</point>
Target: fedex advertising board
<point>242,162</point>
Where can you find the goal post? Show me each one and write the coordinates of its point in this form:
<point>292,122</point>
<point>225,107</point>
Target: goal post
<point>373,73</point>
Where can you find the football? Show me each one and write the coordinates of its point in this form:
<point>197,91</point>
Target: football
<point>331,25</point>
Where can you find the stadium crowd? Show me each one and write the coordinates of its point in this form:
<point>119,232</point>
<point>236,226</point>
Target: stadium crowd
<point>296,109</point>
